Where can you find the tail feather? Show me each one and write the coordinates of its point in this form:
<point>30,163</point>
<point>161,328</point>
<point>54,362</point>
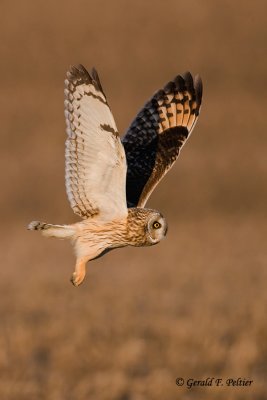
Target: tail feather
<point>50,230</point>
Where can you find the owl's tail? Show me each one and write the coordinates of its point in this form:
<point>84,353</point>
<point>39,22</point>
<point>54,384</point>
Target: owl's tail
<point>50,230</point>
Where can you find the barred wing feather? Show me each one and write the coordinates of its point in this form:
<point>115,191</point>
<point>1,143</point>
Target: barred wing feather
<point>95,157</point>
<point>156,136</point>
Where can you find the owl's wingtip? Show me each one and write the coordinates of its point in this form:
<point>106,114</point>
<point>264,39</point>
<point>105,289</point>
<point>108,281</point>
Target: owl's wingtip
<point>198,84</point>
<point>78,73</point>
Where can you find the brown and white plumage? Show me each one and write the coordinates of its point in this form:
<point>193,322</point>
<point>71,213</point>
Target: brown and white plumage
<point>95,157</point>
<point>156,136</point>
<point>109,181</point>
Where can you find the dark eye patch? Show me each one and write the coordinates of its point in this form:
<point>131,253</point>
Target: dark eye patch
<point>156,225</point>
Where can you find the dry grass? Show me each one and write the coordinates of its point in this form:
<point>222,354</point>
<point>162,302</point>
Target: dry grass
<point>193,306</point>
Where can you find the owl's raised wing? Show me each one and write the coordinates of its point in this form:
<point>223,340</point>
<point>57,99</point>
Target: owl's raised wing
<point>95,157</point>
<point>156,136</point>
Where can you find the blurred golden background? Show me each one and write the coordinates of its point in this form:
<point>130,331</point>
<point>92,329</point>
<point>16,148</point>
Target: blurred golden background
<point>195,305</point>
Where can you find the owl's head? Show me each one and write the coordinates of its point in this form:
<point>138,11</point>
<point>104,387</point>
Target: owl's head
<point>156,228</point>
<point>145,227</point>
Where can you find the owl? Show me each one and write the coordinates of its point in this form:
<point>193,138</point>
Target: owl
<point>108,179</point>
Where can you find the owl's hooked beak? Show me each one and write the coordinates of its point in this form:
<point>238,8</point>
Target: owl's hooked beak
<point>166,230</point>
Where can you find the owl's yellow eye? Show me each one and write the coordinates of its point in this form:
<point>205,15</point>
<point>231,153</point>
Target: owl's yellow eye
<point>156,225</point>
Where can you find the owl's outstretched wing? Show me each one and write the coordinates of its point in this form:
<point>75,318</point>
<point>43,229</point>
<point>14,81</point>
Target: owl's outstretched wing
<point>156,136</point>
<point>95,157</point>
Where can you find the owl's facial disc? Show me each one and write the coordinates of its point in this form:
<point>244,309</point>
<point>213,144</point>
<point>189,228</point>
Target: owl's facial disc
<point>157,228</point>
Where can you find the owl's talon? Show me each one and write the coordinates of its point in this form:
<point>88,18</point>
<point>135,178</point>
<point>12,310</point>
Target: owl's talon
<point>76,279</point>
<point>79,273</point>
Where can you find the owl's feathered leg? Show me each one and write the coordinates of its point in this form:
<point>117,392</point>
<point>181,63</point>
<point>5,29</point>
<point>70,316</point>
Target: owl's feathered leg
<point>65,232</point>
<point>80,271</point>
<point>50,230</point>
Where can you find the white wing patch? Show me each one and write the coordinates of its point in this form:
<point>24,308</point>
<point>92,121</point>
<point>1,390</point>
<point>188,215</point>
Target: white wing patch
<point>95,158</point>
